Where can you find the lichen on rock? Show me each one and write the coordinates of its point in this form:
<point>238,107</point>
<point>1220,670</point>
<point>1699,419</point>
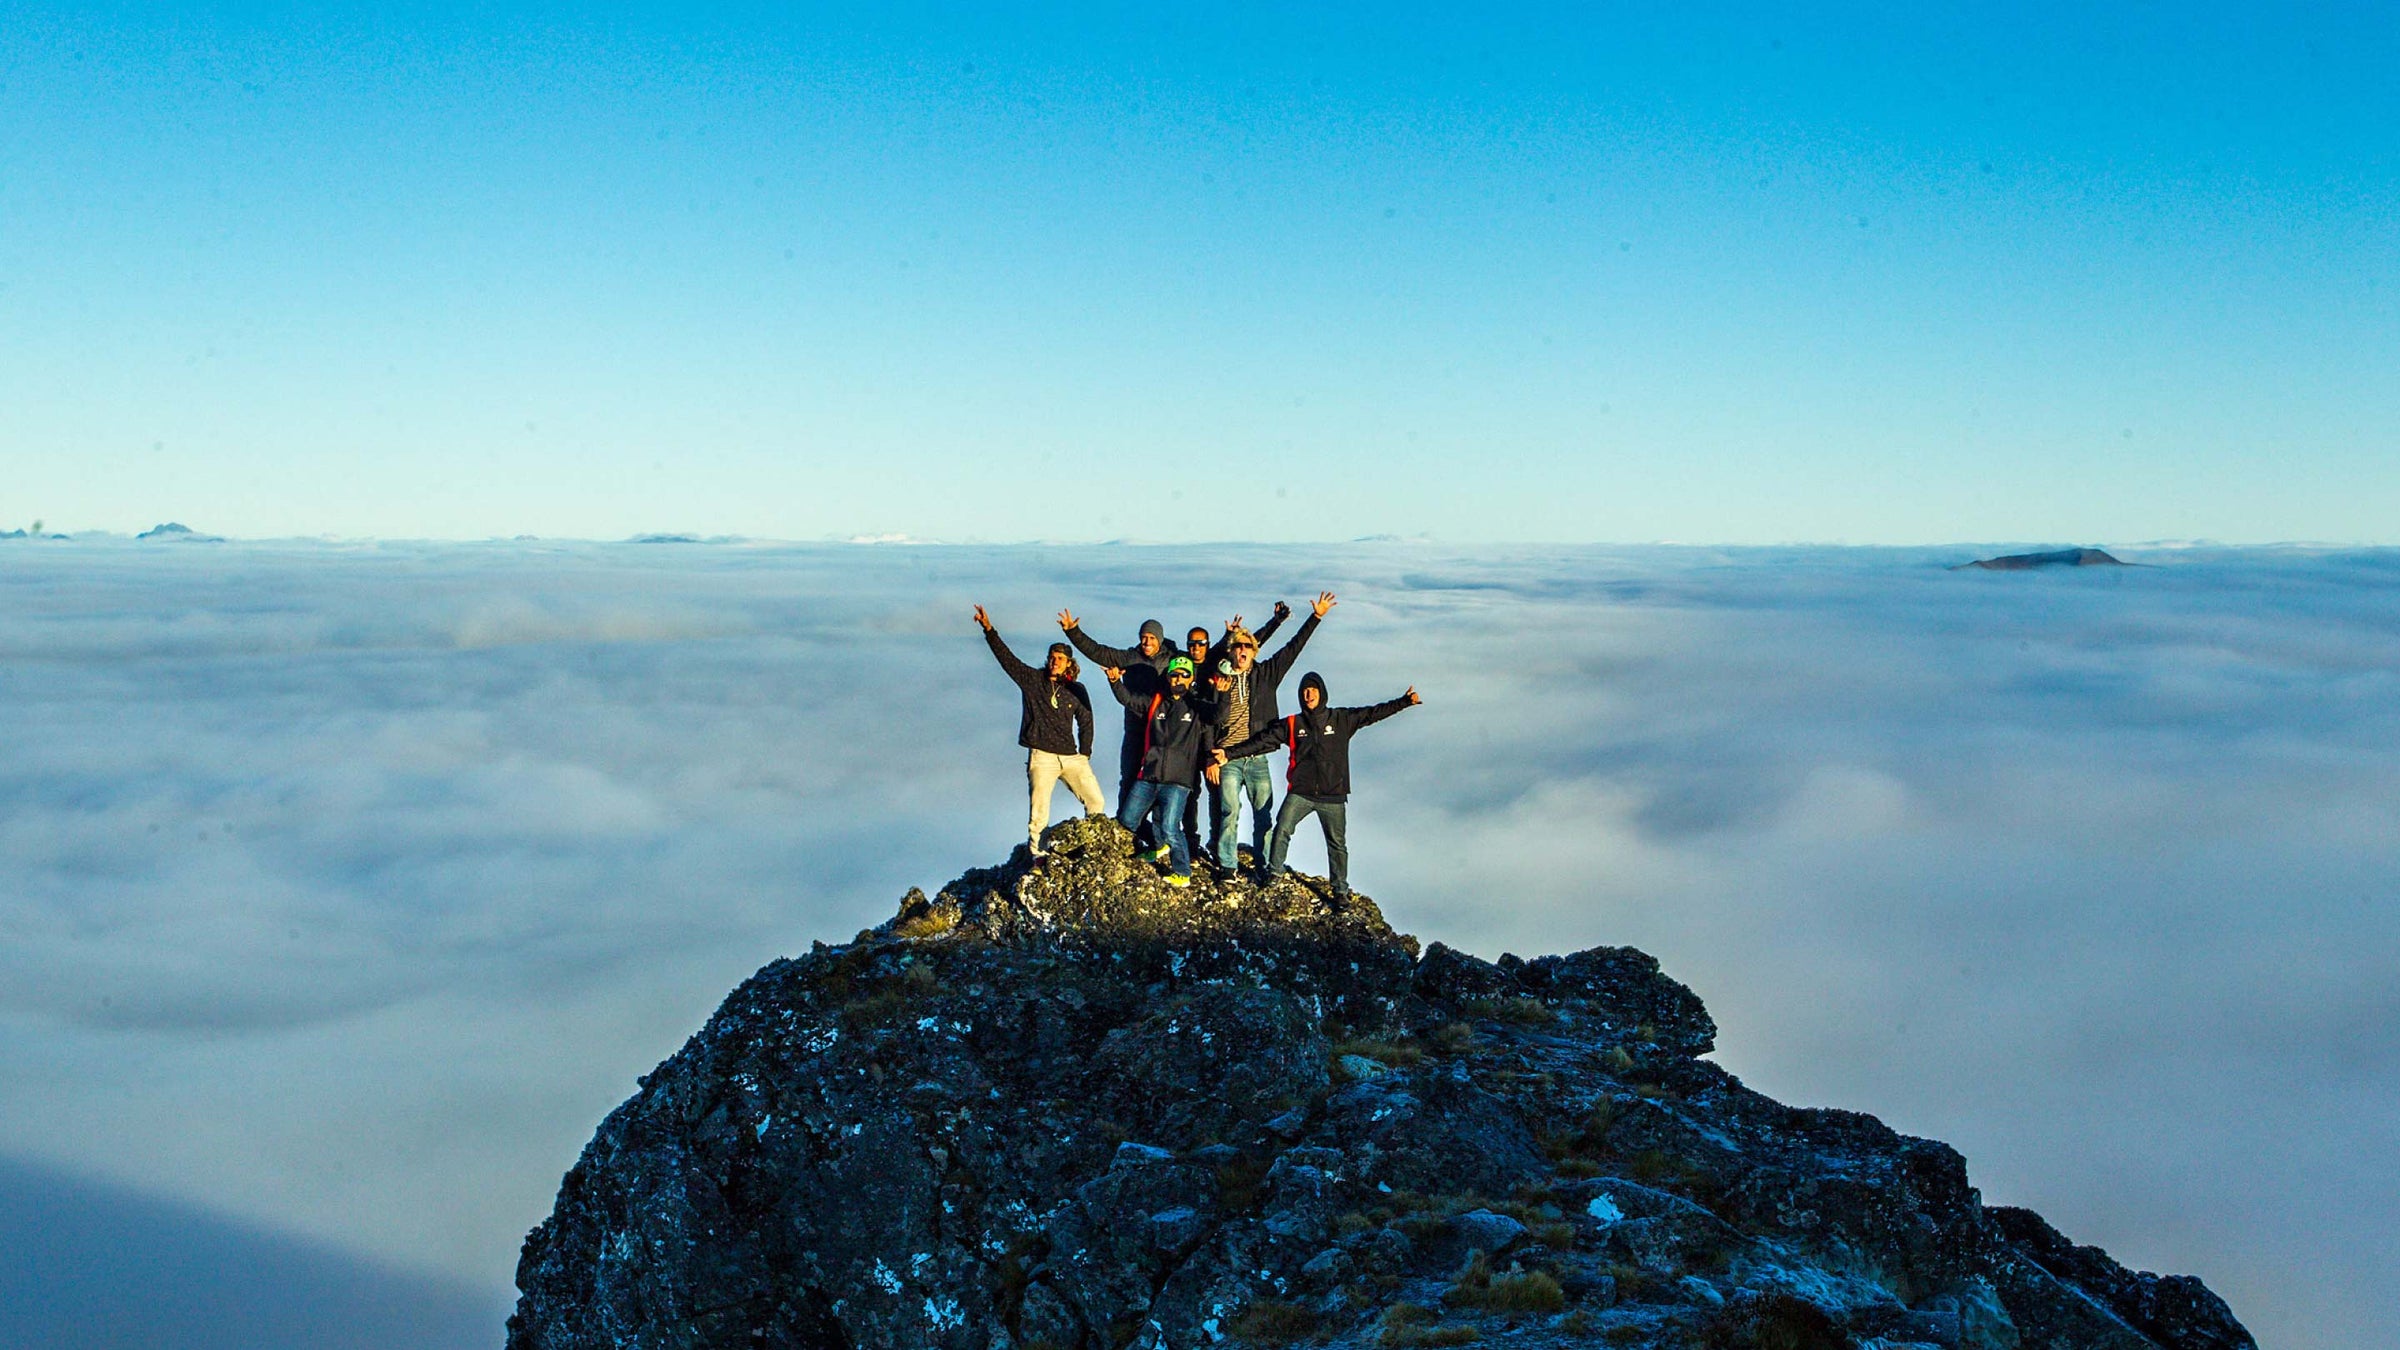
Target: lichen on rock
<point>1061,1104</point>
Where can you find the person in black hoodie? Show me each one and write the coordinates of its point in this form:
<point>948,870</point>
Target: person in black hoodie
<point>1055,728</point>
<point>1317,779</point>
<point>1178,740</point>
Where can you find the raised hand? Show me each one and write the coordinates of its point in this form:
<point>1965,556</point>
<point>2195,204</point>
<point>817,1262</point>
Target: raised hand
<point>1066,618</point>
<point>1282,609</point>
<point>1414,698</point>
<point>983,620</point>
<point>1233,623</point>
<point>1324,602</point>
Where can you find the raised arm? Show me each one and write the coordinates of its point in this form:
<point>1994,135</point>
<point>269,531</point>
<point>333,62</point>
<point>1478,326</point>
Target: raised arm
<point>1280,664</point>
<point>1017,670</point>
<point>1274,621</point>
<point>1093,652</point>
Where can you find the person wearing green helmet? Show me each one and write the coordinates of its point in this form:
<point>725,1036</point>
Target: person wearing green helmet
<point>1178,738</point>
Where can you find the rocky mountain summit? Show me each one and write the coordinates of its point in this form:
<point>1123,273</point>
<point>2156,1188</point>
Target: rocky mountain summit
<point>1060,1105</point>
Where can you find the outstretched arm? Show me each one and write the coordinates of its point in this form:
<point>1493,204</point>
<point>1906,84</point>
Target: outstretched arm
<point>1017,670</point>
<point>1280,664</point>
<point>1093,651</point>
<point>1260,742</point>
<point>1367,717</point>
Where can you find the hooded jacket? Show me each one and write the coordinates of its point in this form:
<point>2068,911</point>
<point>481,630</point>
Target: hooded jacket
<point>1057,716</point>
<point>1178,733</point>
<point>1319,741</point>
<point>1266,672</point>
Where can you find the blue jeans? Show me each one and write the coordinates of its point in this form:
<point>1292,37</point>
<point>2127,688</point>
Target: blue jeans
<point>1163,804</point>
<point>1240,778</point>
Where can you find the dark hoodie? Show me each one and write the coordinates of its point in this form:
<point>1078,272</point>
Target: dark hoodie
<point>1058,713</point>
<point>1319,741</point>
<point>1177,734</point>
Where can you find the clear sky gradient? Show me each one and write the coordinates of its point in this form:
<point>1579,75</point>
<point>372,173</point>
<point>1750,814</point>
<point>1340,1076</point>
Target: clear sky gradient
<point>1873,274</point>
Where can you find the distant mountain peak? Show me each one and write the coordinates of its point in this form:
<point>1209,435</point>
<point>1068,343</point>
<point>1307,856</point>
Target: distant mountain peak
<point>2065,557</point>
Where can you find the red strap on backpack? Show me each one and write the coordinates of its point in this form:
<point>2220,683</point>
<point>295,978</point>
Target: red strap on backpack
<point>1147,719</point>
<point>1291,742</point>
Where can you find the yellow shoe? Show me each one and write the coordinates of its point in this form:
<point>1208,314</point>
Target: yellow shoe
<point>1178,882</point>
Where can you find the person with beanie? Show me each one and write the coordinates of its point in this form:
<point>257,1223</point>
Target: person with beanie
<point>1055,727</point>
<point>1178,740</point>
<point>1145,673</point>
<point>1317,777</point>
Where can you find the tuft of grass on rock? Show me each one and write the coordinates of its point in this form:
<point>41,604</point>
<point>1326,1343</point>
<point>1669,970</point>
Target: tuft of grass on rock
<point>1408,1325</point>
<point>1515,1291</point>
<point>1452,1038</point>
<point>1271,1321</point>
<point>1556,1236</point>
<point>1531,1012</point>
<point>1392,1053</point>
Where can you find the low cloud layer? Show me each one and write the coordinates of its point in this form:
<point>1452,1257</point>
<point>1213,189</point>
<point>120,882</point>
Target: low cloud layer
<point>352,884</point>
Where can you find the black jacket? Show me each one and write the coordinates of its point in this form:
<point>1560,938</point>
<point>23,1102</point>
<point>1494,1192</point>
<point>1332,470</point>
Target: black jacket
<point>1267,672</point>
<point>1319,741</point>
<point>1058,713</point>
<point>1178,734</point>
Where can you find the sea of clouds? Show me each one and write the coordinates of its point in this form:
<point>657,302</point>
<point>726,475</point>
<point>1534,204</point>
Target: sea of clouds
<point>347,886</point>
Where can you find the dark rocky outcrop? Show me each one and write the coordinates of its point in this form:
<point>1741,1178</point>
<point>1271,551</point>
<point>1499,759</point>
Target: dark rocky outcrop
<point>2065,557</point>
<point>176,532</point>
<point>1062,1105</point>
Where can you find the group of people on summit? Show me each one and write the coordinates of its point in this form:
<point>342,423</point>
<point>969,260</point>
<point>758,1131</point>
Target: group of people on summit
<point>1205,716</point>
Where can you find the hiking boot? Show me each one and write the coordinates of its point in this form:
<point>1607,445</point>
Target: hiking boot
<point>1178,880</point>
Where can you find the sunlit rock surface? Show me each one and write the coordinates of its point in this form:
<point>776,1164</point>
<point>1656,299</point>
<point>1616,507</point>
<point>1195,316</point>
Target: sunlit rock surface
<point>1062,1105</point>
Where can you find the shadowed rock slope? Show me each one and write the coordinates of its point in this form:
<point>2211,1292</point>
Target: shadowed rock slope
<point>1061,1105</point>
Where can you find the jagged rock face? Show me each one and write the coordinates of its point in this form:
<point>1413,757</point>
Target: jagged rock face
<point>1062,1105</point>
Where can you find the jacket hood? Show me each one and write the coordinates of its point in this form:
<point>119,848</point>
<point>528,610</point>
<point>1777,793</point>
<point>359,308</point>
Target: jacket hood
<point>1313,680</point>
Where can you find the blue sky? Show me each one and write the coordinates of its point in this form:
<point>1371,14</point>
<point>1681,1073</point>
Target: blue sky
<point>1864,274</point>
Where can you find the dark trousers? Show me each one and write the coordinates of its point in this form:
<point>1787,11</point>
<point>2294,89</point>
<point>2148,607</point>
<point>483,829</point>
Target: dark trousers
<point>1334,817</point>
<point>1191,817</point>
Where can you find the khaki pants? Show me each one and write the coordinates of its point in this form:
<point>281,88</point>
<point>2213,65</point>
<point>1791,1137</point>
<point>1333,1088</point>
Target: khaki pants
<point>1043,771</point>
